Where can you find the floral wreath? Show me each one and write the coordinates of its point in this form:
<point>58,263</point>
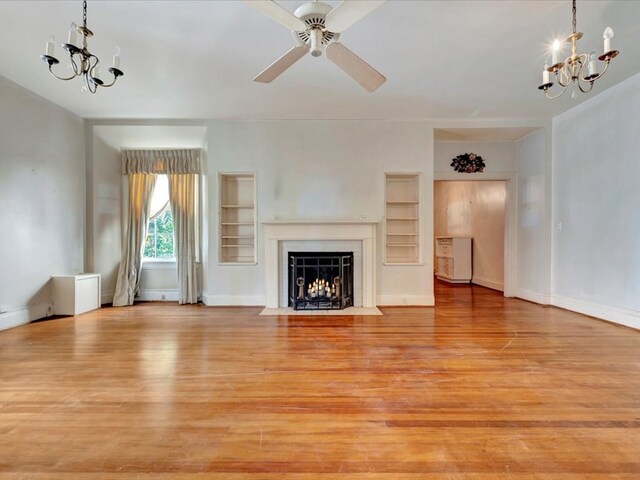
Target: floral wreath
<point>468,163</point>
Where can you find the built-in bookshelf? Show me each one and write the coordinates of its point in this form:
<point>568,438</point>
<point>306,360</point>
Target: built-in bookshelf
<point>402,218</point>
<point>237,214</point>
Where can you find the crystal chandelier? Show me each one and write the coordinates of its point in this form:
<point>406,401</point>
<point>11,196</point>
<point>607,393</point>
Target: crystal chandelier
<point>84,63</point>
<point>571,71</point>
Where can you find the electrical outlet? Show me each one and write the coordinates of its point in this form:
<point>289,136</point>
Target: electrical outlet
<point>49,309</point>
<point>4,308</point>
<point>163,297</point>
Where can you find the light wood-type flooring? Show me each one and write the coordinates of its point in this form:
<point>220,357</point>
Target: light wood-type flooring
<point>479,387</point>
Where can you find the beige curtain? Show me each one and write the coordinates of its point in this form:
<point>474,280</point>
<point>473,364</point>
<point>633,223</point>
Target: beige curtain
<point>140,193</point>
<point>183,201</point>
<point>161,161</point>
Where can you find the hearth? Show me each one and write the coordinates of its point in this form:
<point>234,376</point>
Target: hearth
<point>320,280</point>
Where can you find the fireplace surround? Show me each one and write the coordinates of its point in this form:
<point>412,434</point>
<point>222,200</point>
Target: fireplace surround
<point>324,235</point>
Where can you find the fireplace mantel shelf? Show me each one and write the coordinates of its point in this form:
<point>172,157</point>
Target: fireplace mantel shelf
<point>320,222</point>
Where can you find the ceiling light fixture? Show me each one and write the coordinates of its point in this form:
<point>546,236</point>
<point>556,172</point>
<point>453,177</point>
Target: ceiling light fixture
<point>86,64</point>
<point>572,70</point>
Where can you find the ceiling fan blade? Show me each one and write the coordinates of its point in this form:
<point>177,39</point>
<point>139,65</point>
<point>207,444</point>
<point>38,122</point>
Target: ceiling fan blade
<point>280,65</point>
<point>278,13</point>
<point>349,12</point>
<point>354,66</point>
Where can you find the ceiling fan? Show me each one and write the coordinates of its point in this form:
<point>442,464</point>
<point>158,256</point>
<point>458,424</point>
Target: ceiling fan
<point>316,27</point>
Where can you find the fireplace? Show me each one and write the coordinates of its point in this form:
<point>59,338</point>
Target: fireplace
<point>320,280</point>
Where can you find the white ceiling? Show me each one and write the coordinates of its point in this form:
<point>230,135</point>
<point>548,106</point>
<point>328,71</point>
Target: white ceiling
<point>196,59</point>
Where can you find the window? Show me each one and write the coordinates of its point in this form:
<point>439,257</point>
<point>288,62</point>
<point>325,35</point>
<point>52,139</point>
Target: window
<point>159,242</point>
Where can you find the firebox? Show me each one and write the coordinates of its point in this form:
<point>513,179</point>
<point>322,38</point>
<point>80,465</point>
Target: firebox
<point>320,280</point>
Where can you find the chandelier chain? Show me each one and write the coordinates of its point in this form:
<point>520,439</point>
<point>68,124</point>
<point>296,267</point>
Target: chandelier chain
<point>574,15</point>
<point>84,13</point>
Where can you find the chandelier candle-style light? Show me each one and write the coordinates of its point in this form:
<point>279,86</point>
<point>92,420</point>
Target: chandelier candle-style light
<point>84,63</point>
<point>571,71</point>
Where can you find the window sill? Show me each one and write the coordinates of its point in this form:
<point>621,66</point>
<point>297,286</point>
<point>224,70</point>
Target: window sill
<point>158,264</point>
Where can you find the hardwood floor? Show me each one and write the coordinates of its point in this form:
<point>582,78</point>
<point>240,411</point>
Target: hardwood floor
<point>480,387</point>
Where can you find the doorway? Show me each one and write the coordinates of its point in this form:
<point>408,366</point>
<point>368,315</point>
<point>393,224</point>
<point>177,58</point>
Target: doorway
<point>475,210</point>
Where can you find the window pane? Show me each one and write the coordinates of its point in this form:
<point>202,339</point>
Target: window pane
<point>159,241</point>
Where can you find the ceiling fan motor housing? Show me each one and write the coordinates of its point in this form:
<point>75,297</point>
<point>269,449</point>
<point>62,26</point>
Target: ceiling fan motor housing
<point>316,35</point>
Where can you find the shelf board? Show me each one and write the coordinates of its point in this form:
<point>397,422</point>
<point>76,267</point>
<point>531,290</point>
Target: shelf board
<point>402,202</point>
<point>402,234</point>
<point>403,218</point>
<point>237,206</point>
<point>402,244</point>
<point>237,246</point>
<point>238,236</point>
<point>236,223</point>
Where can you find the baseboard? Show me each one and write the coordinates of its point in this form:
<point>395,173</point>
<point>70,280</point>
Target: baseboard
<point>107,297</point>
<point>22,316</point>
<point>159,295</point>
<point>403,300</point>
<point>628,318</point>
<point>234,300</point>
<point>535,297</point>
<point>483,282</point>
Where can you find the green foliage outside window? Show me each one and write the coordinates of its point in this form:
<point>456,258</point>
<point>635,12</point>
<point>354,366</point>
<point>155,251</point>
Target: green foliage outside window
<point>159,243</point>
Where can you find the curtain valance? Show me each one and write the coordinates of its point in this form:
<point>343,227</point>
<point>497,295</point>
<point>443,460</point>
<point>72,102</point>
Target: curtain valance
<point>161,162</point>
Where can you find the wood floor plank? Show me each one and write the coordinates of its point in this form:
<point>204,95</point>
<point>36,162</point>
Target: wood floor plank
<point>479,387</point>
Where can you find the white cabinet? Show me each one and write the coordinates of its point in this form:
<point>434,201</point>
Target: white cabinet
<point>75,294</point>
<point>237,216</point>
<point>453,259</point>
<point>402,218</point>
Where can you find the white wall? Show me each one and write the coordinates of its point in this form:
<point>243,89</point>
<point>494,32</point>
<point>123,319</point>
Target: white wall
<point>596,192</point>
<point>475,209</point>
<point>106,236</point>
<point>42,177</point>
<point>532,225</point>
<point>319,170</point>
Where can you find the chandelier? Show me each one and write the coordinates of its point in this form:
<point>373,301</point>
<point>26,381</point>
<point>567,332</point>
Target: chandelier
<point>82,62</point>
<point>571,71</point>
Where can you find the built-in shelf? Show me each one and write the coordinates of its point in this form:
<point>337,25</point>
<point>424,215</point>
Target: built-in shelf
<point>237,217</point>
<point>402,218</point>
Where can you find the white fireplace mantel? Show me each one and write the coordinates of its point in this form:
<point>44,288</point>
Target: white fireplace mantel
<point>277,231</point>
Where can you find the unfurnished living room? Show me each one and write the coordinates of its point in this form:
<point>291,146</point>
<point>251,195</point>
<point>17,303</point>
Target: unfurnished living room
<point>320,240</point>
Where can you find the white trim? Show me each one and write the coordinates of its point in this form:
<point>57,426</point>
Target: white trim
<point>485,282</point>
<point>405,300</point>
<point>233,300</point>
<point>107,297</point>
<point>629,318</point>
<point>535,297</point>
<point>156,295</point>
<point>22,315</point>
<point>450,176</point>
